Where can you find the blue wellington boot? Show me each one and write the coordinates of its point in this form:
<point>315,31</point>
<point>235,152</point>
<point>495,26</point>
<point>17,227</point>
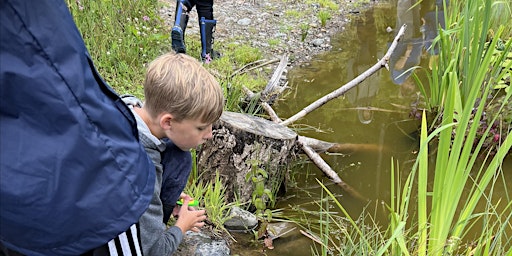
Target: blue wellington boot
<point>180,24</point>
<point>207,28</point>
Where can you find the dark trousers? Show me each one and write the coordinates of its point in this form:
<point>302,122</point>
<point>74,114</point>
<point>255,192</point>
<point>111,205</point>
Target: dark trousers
<point>204,8</point>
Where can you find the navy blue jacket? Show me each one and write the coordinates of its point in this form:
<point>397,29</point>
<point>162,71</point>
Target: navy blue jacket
<point>72,173</point>
<point>177,165</point>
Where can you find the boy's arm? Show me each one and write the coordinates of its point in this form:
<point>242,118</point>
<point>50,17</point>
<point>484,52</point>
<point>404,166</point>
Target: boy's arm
<point>156,239</point>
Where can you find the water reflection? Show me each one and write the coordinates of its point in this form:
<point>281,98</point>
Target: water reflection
<point>376,112</point>
<point>366,56</point>
<point>422,20</point>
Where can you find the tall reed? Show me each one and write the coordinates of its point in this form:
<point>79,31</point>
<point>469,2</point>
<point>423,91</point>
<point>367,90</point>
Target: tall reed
<point>466,73</point>
<point>469,25</point>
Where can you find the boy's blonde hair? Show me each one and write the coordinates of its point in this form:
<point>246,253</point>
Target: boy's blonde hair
<point>180,85</point>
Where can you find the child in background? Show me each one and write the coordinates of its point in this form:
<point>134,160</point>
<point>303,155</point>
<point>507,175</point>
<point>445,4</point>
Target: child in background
<point>207,25</point>
<point>182,101</point>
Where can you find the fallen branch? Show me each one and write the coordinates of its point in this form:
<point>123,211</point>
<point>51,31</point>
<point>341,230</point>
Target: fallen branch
<point>312,237</point>
<point>321,146</point>
<point>252,66</point>
<point>273,84</point>
<point>330,172</point>
<point>340,91</point>
<point>315,157</point>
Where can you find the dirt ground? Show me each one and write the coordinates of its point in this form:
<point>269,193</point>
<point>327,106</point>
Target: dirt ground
<point>276,27</point>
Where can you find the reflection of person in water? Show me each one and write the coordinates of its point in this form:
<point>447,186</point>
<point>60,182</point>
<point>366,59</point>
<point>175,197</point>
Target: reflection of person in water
<point>432,16</point>
<point>363,94</point>
<point>421,31</point>
<point>408,51</point>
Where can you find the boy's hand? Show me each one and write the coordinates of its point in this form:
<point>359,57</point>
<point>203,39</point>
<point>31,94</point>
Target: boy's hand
<point>177,207</point>
<point>185,196</point>
<point>190,219</point>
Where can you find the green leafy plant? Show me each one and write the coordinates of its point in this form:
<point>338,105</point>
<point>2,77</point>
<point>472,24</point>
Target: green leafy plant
<point>454,43</point>
<point>215,203</point>
<point>260,195</point>
<point>447,212</point>
<point>213,199</point>
<point>304,29</point>
<point>433,211</point>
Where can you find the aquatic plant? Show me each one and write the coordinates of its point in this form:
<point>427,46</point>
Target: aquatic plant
<point>472,51</point>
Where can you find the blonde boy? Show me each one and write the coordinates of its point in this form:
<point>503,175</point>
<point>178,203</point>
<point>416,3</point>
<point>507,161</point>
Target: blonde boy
<point>182,101</point>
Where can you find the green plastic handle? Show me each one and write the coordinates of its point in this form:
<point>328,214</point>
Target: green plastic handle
<point>190,203</point>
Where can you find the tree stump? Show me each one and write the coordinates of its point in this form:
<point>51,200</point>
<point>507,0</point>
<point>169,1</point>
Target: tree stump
<point>241,142</point>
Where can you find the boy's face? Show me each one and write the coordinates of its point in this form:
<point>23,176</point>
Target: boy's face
<point>188,133</point>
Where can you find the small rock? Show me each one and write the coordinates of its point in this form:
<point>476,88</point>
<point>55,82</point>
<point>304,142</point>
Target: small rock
<point>244,22</point>
<point>202,244</point>
<point>318,42</point>
<point>241,220</point>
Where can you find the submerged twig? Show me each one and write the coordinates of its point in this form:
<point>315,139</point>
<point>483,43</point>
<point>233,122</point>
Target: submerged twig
<point>315,157</point>
<point>313,238</point>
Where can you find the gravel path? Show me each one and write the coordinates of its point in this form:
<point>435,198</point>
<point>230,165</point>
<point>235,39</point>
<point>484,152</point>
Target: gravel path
<point>275,26</point>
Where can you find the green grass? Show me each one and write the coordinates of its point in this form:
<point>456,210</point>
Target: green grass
<point>212,199</point>
<point>327,4</point>
<point>124,36</point>
<point>293,14</point>
<point>273,42</point>
<point>304,30</point>
<point>324,16</point>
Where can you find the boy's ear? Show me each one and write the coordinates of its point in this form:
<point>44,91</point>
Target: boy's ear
<point>165,121</point>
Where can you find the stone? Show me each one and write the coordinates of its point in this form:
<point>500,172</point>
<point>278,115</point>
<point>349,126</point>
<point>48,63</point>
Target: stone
<point>202,244</point>
<point>240,220</point>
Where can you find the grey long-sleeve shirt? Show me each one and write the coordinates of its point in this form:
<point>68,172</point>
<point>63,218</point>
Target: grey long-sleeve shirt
<point>156,238</point>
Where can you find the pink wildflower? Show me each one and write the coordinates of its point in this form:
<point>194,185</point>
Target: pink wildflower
<point>207,58</point>
<point>80,6</point>
<point>145,18</point>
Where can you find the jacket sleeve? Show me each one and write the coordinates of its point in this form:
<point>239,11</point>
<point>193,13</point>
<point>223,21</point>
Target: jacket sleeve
<point>73,174</point>
<point>156,238</point>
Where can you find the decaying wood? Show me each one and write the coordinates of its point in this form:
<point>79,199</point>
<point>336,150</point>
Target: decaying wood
<point>273,84</point>
<point>321,146</point>
<point>241,142</point>
<point>343,89</point>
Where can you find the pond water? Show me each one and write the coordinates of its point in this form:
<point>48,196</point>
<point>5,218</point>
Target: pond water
<point>376,116</point>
